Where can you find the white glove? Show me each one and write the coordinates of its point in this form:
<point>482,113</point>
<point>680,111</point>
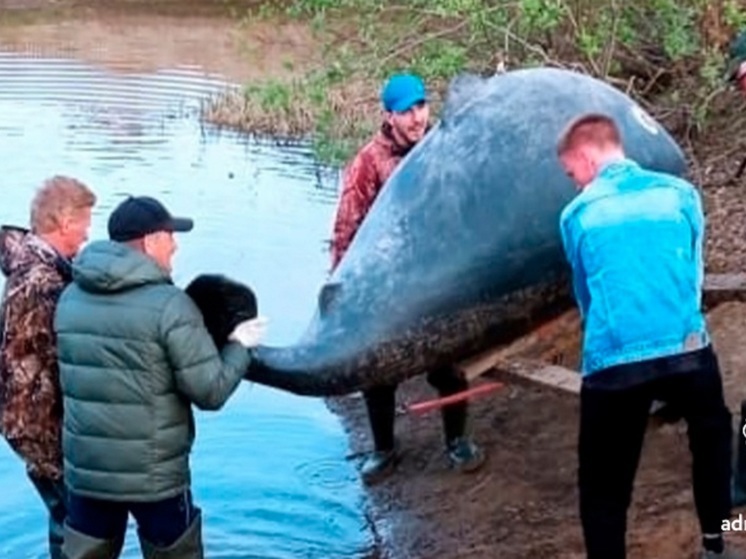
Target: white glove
<point>249,333</point>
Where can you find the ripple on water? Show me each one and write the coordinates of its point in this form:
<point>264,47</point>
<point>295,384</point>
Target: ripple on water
<point>269,469</point>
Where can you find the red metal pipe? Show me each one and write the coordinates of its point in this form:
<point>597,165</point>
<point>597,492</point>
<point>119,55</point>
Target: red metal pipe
<point>429,405</point>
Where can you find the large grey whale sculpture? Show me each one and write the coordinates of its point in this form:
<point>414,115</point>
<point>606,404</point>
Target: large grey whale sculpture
<point>461,249</point>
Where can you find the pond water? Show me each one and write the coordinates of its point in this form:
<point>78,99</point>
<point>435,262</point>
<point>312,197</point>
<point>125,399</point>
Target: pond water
<point>270,469</point>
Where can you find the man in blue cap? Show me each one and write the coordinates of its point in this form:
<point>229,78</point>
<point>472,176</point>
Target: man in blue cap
<point>405,123</point>
<point>406,116</point>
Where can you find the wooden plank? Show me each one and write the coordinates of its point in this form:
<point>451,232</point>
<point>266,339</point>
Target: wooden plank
<point>722,288</point>
<point>548,339</point>
<point>481,363</point>
<point>554,376</point>
<point>718,288</point>
<point>721,282</point>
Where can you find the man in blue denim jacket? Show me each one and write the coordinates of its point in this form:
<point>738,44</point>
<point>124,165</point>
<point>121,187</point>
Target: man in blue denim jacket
<point>634,241</point>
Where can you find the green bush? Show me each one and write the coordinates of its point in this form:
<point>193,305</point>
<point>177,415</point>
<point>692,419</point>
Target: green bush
<point>648,46</point>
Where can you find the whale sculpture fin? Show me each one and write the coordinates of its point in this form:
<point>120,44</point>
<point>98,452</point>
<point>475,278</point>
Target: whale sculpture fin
<point>327,295</point>
<point>463,89</point>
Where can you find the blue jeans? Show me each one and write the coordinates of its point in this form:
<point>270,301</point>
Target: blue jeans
<point>161,522</point>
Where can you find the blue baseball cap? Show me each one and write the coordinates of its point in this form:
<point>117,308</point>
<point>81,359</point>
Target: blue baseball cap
<point>402,92</point>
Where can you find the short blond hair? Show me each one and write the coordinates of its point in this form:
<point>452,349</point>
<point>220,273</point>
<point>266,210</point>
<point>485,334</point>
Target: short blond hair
<point>59,197</point>
<point>594,129</point>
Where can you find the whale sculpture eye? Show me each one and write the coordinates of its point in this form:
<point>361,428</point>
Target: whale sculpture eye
<point>645,120</point>
<point>327,295</point>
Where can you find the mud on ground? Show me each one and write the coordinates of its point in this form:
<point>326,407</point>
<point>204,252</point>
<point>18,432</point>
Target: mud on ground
<point>523,503</point>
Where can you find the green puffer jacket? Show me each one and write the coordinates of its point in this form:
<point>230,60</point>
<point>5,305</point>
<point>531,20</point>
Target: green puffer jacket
<point>134,354</point>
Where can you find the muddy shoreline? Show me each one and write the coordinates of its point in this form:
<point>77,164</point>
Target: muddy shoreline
<point>524,502</point>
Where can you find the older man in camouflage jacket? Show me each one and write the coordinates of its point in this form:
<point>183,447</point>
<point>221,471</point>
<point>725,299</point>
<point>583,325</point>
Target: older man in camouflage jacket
<point>36,264</point>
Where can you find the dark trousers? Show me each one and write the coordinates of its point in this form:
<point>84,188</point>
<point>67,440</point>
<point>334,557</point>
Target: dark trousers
<point>739,475</point>
<point>380,402</point>
<point>52,492</point>
<point>612,428</point>
<point>161,522</point>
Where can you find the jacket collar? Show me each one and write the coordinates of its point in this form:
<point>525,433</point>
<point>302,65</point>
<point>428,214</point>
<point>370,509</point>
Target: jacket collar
<point>50,255</point>
<point>612,168</point>
<point>20,249</point>
<point>386,138</point>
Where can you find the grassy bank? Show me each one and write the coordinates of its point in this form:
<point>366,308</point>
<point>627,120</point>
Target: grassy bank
<point>668,54</point>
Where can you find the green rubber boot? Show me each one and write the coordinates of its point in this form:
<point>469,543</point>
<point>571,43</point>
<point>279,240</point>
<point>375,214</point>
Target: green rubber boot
<point>80,546</point>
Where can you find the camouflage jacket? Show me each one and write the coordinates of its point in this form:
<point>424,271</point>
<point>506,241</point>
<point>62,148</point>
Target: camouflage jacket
<point>363,180</point>
<point>30,398</point>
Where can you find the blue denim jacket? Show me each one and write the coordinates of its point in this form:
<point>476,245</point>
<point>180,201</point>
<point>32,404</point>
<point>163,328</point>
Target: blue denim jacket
<point>634,241</point>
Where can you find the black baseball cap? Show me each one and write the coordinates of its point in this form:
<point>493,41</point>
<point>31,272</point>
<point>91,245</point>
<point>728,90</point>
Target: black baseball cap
<point>138,216</point>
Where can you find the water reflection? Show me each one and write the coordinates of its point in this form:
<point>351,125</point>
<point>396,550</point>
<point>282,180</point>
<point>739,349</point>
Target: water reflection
<point>269,469</point>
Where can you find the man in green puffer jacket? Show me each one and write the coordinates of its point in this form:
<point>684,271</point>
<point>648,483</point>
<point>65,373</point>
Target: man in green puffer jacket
<point>134,354</point>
